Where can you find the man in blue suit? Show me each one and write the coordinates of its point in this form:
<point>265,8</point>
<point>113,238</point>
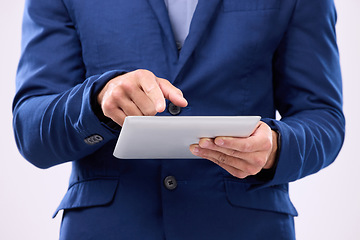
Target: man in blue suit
<point>86,65</point>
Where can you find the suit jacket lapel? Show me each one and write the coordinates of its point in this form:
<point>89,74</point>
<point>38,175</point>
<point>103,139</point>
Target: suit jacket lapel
<point>159,8</point>
<point>203,14</point>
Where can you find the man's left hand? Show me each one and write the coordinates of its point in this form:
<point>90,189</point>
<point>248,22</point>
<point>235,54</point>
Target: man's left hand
<point>241,157</point>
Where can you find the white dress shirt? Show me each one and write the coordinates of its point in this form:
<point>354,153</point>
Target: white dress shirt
<point>180,14</point>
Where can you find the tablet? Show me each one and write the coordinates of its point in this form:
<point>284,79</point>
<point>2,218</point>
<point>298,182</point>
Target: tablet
<point>169,137</point>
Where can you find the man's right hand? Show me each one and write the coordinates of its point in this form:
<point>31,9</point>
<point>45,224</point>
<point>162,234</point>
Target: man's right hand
<point>137,93</point>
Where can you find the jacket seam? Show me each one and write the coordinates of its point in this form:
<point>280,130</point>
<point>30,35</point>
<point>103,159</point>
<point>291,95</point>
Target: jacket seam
<point>92,179</point>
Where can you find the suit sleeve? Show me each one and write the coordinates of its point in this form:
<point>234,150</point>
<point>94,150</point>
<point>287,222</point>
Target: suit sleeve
<point>308,93</point>
<point>53,118</point>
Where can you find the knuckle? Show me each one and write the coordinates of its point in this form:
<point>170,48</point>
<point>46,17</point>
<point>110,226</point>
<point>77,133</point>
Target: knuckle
<point>127,86</point>
<point>149,88</point>
<point>143,73</point>
<point>113,84</point>
<point>247,147</point>
<point>178,91</point>
<point>259,161</point>
<point>222,158</point>
<point>233,153</point>
<point>117,93</point>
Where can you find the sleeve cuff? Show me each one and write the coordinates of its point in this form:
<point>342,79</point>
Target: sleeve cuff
<point>96,108</point>
<point>266,175</point>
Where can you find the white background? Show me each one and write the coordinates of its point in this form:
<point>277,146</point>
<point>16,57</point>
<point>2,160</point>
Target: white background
<point>328,202</point>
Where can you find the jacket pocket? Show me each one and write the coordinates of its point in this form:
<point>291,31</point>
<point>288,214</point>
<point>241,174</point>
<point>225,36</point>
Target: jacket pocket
<point>250,5</point>
<point>274,199</point>
<point>89,193</point>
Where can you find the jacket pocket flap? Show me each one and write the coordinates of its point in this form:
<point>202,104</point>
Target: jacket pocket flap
<point>250,5</point>
<point>88,194</point>
<point>269,199</point>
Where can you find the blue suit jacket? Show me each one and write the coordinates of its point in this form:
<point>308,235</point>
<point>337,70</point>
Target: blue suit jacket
<point>242,57</point>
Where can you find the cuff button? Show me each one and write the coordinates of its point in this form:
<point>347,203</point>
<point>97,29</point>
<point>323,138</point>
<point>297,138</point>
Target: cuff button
<point>93,139</point>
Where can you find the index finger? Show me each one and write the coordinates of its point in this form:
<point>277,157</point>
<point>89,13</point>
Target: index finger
<point>172,93</point>
<point>149,84</point>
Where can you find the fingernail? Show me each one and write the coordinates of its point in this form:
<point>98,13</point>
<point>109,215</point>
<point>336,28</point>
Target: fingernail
<point>196,150</point>
<point>204,143</point>
<point>219,142</point>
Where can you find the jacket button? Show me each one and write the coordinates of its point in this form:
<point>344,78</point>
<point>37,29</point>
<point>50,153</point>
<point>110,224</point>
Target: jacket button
<point>94,139</point>
<point>170,182</point>
<point>173,109</point>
